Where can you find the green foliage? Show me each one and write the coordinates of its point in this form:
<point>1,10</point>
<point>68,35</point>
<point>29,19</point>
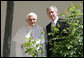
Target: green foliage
<point>32,48</point>
<point>72,46</point>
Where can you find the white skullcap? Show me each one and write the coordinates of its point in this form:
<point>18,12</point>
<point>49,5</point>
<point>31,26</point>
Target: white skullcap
<point>31,14</point>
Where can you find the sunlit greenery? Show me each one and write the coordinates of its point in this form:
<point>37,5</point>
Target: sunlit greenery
<point>33,46</point>
<point>72,46</point>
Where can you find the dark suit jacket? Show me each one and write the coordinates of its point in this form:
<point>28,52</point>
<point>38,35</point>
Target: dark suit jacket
<point>63,24</point>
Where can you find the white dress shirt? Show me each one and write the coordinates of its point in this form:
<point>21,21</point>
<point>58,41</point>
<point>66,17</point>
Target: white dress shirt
<point>26,32</point>
<point>55,21</point>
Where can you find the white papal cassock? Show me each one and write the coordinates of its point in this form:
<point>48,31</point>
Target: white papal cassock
<point>20,38</point>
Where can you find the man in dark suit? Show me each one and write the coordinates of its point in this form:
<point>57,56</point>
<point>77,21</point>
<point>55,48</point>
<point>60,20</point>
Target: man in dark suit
<point>52,13</point>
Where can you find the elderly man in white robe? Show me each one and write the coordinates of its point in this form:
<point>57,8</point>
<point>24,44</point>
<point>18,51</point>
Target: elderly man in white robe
<point>25,32</point>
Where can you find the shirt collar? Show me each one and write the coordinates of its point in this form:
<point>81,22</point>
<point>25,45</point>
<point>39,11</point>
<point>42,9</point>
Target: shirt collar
<point>55,21</point>
<point>31,27</point>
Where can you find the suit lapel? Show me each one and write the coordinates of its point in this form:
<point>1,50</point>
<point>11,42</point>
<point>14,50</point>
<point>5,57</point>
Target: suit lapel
<point>57,23</point>
<point>49,28</point>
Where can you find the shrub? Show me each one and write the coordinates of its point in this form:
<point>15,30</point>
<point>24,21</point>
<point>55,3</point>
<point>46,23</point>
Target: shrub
<point>73,45</point>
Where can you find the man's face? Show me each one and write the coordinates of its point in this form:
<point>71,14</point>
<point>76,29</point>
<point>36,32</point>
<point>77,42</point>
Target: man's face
<point>31,21</point>
<point>52,14</point>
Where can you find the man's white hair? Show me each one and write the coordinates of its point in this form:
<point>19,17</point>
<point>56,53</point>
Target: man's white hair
<point>31,14</point>
<point>54,7</point>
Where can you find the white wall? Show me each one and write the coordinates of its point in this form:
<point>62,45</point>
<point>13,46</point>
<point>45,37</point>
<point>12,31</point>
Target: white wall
<point>3,17</point>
